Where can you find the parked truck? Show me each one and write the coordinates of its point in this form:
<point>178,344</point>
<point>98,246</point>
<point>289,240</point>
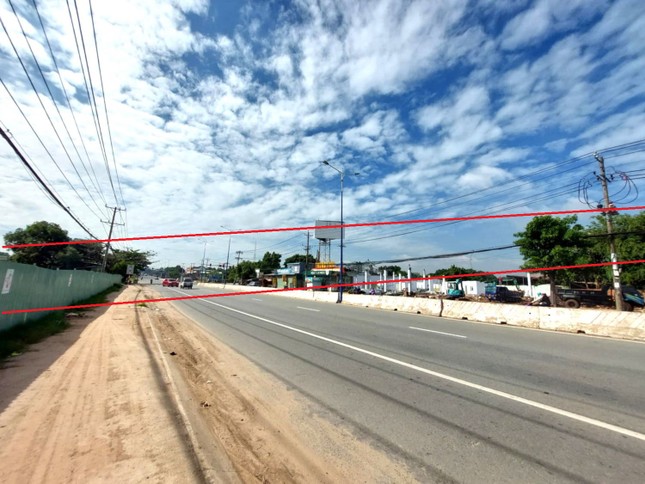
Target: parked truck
<point>502,294</point>
<point>604,296</point>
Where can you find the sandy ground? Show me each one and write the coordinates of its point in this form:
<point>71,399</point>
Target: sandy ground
<point>106,401</point>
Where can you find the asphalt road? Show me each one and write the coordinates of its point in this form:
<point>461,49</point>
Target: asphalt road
<point>456,400</point>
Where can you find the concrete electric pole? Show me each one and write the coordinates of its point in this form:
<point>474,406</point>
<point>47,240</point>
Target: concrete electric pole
<point>618,293</point>
<point>112,224</point>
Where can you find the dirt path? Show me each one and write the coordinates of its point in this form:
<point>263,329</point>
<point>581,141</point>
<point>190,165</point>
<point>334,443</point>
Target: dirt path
<point>118,406</point>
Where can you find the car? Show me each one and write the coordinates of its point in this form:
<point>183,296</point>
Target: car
<point>187,283</point>
<point>170,283</point>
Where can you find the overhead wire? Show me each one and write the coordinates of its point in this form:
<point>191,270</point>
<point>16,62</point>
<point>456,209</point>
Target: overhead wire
<point>53,100</point>
<point>48,117</point>
<point>107,118</point>
<point>97,183</point>
<point>43,184</point>
<point>42,143</point>
<point>89,89</point>
<point>498,193</point>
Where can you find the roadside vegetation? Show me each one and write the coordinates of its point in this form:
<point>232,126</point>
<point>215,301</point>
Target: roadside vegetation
<point>16,340</point>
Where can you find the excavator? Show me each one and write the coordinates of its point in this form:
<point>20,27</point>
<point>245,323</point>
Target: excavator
<point>455,289</point>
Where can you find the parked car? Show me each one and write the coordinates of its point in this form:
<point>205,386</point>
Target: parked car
<point>187,283</point>
<point>170,283</point>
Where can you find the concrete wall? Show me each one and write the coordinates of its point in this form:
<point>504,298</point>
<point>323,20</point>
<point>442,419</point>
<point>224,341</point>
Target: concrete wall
<point>600,322</point>
<point>25,287</point>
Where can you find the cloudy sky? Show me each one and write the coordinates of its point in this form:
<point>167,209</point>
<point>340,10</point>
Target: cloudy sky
<point>219,114</point>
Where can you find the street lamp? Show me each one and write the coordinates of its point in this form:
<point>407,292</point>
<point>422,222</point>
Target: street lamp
<point>228,253</point>
<point>203,268</point>
<point>342,231</point>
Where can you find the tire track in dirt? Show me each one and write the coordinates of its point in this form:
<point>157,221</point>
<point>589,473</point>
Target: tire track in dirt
<point>269,432</point>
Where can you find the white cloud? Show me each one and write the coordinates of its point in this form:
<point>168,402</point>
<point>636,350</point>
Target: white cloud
<point>546,17</point>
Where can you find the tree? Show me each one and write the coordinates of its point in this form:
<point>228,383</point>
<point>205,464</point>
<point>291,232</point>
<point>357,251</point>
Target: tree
<point>550,242</point>
<point>244,270</point>
<point>630,245</point>
<point>270,262</point>
<point>119,260</point>
<point>454,270</point>
<point>390,269</point>
<point>36,233</point>
<point>299,258</point>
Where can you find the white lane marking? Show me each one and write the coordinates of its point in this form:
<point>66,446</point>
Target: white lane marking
<point>309,309</point>
<point>492,391</point>
<point>256,299</point>
<point>438,332</point>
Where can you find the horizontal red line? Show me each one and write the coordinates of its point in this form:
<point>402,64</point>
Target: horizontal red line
<point>313,227</point>
<point>268,291</point>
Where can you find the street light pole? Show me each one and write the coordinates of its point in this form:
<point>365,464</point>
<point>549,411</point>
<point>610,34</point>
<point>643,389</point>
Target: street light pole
<point>342,229</point>
<point>228,253</point>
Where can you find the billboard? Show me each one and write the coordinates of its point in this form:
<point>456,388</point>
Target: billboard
<point>324,233</point>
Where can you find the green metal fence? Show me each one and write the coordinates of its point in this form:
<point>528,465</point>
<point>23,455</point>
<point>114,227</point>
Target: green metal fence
<point>27,287</point>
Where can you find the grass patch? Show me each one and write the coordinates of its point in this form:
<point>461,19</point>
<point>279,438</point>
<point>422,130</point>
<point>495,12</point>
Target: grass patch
<point>15,340</point>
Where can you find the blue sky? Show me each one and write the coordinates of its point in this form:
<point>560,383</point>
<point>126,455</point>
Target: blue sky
<point>220,113</point>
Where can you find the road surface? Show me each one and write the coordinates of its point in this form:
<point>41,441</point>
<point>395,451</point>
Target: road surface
<point>455,400</point>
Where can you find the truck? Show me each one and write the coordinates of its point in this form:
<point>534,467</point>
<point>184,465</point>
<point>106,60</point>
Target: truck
<point>502,294</point>
<point>575,297</point>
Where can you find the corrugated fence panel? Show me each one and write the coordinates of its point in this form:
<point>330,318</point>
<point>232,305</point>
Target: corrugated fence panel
<point>26,287</point>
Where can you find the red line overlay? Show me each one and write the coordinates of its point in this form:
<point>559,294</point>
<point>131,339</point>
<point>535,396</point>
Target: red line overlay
<point>313,227</point>
<point>268,291</point>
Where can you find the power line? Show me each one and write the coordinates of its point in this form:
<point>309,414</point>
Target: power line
<point>42,143</point>
<point>48,117</point>
<point>69,104</point>
<point>107,118</point>
<point>42,182</point>
<point>89,89</point>
<point>507,205</point>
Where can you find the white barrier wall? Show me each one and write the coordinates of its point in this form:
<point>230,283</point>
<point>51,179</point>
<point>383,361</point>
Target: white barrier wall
<point>599,322</point>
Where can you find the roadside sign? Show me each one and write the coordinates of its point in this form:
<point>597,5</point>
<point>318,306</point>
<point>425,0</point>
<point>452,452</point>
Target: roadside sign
<point>130,270</point>
<point>8,278</point>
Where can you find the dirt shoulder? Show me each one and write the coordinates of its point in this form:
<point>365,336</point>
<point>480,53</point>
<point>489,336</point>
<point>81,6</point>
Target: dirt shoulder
<point>141,392</point>
<point>89,405</point>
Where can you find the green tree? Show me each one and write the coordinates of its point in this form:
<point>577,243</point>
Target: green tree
<point>243,271</point>
<point>630,245</point>
<point>299,258</point>
<point>36,233</point>
<point>454,270</point>
<point>391,269</point>
<point>119,260</point>
<point>270,262</point>
<point>80,256</point>
<point>550,242</point>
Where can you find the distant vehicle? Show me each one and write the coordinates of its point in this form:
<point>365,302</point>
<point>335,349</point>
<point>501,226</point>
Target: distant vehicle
<point>575,297</point>
<point>455,289</point>
<point>187,283</point>
<point>503,294</point>
<point>170,283</point>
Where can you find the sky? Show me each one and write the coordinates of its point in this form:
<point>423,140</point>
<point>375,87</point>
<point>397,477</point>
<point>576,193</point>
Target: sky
<point>202,116</point>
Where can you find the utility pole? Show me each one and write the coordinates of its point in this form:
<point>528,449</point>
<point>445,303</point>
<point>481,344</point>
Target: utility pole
<point>112,224</point>
<point>307,257</point>
<point>238,256</point>
<point>618,293</point>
